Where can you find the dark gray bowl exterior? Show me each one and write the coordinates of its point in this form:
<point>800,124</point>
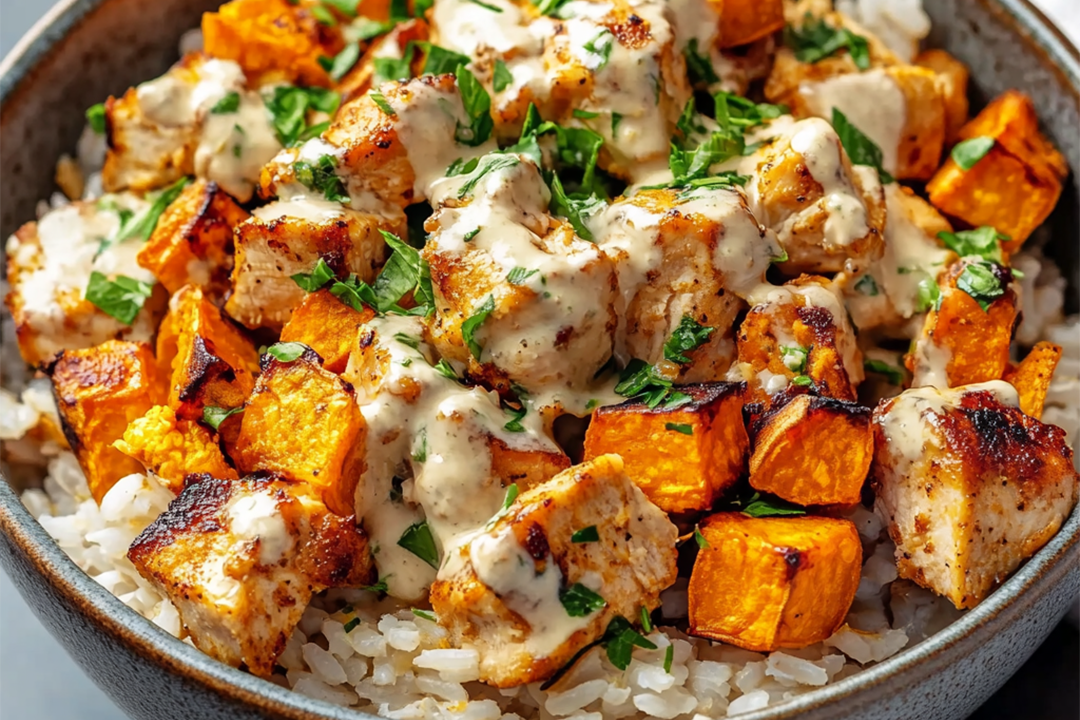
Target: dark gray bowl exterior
<point>86,49</point>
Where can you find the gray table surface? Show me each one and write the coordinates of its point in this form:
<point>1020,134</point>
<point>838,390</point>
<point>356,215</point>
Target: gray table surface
<point>39,681</point>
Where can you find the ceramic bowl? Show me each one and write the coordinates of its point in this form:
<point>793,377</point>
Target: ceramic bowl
<point>85,49</point>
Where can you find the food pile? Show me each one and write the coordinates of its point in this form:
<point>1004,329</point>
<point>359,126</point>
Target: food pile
<point>500,334</point>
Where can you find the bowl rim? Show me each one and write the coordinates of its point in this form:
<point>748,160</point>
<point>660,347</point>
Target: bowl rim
<point>1035,578</point>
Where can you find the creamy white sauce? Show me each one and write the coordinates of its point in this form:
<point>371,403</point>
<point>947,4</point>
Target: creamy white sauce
<point>871,100</point>
<point>910,255</point>
<point>312,209</point>
<point>467,28</point>
<point>695,20</point>
<point>257,518</point>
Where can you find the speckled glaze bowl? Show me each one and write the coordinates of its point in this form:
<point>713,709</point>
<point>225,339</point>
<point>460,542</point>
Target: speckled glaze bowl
<point>85,49</point>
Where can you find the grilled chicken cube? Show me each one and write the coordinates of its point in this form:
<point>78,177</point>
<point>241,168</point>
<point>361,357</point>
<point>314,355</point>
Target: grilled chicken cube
<point>968,485</point>
<point>283,239</point>
<point>683,457</point>
<point>966,336</point>
<point>196,119</point>
<point>302,422</point>
<point>328,326</point>
<point>241,560</point>
<point>523,300</point>
<point>683,257</point>
<point>828,214</point>
<point>208,361</point>
<point>99,391</point>
<point>887,294</point>
<point>50,265</point>
<point>193,240</point>
<point>773,582</point>
<point>528,597</point>
<point>426,434</point>
<point>274,41</point>
<point>952,80</point>
<point>173,448</point>
<point>798,333</point>
<point>834,472</point>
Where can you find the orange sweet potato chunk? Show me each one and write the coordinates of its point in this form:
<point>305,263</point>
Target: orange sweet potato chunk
<point>209,360</point>
<point>272,40</point>
<point>1032,377</point>
<point>813,451</point>
<point>173,448</point>
<point>326,325</point>
<point>1015,185</point>
<point>952,80</point>
<point>744,21</point>
<point>302,422</point>
<point>769,583</point>
<point>193,240</point>
<point>99,391</point>
<point>682,458</point>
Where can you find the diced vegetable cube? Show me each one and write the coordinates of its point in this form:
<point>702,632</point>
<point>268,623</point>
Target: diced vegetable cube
<point>1032,377</point>
<point>326,325</point>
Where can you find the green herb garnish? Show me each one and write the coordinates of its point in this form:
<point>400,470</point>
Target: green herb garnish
<point>287,351</point>
<point>861,149</point>
<point>586,535</point>
<point>121,298</point>
<point>214,416</point>
<point>580,601</point>
<point>968,152</point>
<point>418,540</point>
<point>474,321</point>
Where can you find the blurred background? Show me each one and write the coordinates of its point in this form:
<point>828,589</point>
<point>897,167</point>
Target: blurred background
<point>38,681</point>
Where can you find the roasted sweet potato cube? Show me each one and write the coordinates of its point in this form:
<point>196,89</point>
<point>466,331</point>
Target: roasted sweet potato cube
<point>833,471</point>
<point>193,240</point>
<point>272,40</point>
<point>1032,377</point>
<point>1014,186</point>
<point>773,582</point>
<point>682,458</point>
<point>326,325</point>
<point>962,343</point>
<point>173,448</point>
<point>99,391</point>
<point>968,485</point>
<point>209,361</point>
<point>923,135</point>
<point>745,21</point>
<point>952,81</point>
<point>302,422</point>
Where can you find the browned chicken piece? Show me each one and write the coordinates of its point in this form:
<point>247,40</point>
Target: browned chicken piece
<point>968,486</point>
<point>199,119</point>
<point>274,41</point>
<point>241,560</point>
<point>302,422</point>
<point>208,360</point>
<point>173,448</point>
<point>193,240</point>
<point>684,255</point>
<point>682,457</point>
<point>50,265</point>
<point>528,597</point>
<point>544,296</point>
<point>966,336</point>
<point>799,333</point>
<point>99,391</point>
<point>828,214</point>
<point>283,239</point>
<point>887,294</point>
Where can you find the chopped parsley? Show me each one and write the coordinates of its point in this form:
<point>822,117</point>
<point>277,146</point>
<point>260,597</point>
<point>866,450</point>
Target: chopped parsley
<point>340,65</point>
<point>861,149</point>
<point>477,104</point>
<point>516,414</point>
<point>379,587</point>
<point>979,281</point>
<point>141,225</point>
<point>228,104</point>
<point>95,116</point>
<point>759,506</point>
<point>585,114</point>
<point>732,110</point>
<point>519,275</point>
<point>438,60</point>
<point>418,540</point>
<point>601,46</point>
<point>928,294</point>
<point>121,298</point>
<point>669,656</point>
<point>425,614</point>
<point>214,416</point>
<point>289,106</point>
<point>620,638</point>
<point>967,153</point>
<point>322,178</point>
<point>405,271</point>
<point>323,16</point>
<point>699,67</point>
<point>684,428</point>
<point>688,336</point>
<point>487,6</point>
<point>351,624</point>
<point>577,208</point>
<point>380,100</point>
<point>646,620</point>
<point>586,535</point>
<point>893,374</point>
<point>445,369</point>
<point>474,321</point>
<point>984,242</point>
<point>549,7</point>
<point>483,166</point>
<point>287,351</point>
<point>580,601</point>
<point>803,381</point>
<point>702,543</point>
<point>816,40</point>
<point>794,358</point>
<point>502,78</point>
<point>867,286</point>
